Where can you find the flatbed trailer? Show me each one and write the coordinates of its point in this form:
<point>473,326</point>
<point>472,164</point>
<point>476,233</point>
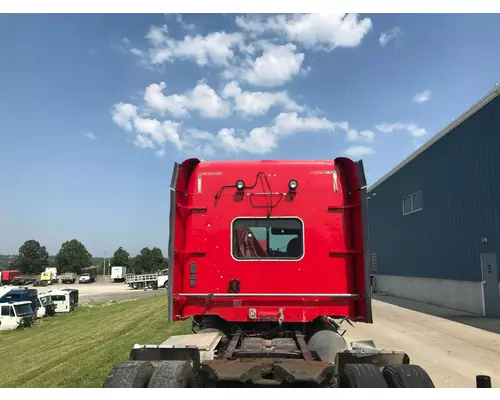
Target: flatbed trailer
<point>269,260</point>
<point>149,281</point>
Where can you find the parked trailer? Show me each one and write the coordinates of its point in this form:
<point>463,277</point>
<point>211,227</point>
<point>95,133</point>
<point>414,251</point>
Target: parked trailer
<point>149,281</point>
<point>6,277</point>
<point>250,246</point>
<point>24,280</point>
<point>118,274</point>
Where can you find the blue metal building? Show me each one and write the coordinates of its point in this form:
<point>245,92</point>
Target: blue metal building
<point>435,218</point>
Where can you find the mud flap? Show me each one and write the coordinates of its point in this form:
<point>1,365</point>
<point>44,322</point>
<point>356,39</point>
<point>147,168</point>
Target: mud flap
<point>365,352</point>
<point>166,353</point>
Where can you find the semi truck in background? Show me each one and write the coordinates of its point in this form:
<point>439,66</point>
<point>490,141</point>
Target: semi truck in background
<point>47,277</point>
<point>88,275</point>
<point>68,277</point>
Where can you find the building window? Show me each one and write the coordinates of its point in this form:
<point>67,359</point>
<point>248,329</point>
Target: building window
<point>374,262</point>
<point>412,203</point>
<point>263,238</point>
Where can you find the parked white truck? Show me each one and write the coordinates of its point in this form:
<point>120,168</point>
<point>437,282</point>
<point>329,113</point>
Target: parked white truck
<point>68,277</point>
<point>118,274</point>
<point>66,300</point>
<point>163,279</point>
<point>16,315</point>
<point>45,306</point>
<point>88,275</point>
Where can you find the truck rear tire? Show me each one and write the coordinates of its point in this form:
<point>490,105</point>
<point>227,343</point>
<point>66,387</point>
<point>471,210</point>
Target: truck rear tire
<point>407,376</point>
<point>174,374</point>
<point>130,374</point>
<point>362,376</point>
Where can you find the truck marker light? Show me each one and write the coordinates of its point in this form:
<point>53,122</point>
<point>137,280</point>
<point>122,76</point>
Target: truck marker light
<point>293,184</point>
<point>240,185</point>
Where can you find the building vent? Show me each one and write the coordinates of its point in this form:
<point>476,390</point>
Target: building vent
<point>374,262</point>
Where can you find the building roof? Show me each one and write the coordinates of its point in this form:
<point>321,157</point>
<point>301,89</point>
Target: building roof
<point>472,110</point>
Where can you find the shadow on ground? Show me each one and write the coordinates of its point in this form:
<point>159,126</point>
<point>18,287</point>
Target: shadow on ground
<point>476,321</point>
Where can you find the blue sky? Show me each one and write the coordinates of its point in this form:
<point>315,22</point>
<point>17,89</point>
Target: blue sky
<point>96,108</point>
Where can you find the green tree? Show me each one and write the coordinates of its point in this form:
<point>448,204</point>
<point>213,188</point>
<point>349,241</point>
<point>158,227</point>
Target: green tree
<point>32,258</point>
<point>72,257</point>
<point>149,260</point>
<point>120,258</point>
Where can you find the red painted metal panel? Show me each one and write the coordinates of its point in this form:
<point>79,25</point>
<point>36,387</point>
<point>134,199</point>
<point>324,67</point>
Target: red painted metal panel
<point>327,201</point>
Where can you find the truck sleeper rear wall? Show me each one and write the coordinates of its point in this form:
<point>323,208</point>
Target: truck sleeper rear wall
<point>213,224</point>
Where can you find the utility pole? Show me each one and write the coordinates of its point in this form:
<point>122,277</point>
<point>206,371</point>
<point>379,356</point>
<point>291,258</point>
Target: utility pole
<point>104,264</point>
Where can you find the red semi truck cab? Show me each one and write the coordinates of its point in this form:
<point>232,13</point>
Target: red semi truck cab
<point>254,241</point>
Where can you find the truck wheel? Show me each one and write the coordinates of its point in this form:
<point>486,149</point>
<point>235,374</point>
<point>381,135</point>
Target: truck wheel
<point>129,374</point>
<point>407,376</point>
<point>362,376</point>
<point>174,374</point>
<point>135,286</point>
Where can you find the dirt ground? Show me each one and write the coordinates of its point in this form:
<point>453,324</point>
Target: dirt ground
<point>453,347</point>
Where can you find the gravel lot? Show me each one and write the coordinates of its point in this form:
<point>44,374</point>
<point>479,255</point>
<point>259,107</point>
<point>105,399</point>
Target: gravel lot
<point>453,347</point>
<point>104,291</point>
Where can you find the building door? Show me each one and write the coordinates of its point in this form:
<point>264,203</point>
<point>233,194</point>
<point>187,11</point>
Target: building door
<point>491,296</point>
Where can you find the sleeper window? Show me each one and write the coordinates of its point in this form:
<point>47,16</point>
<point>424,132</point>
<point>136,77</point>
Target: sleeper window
<point>263,238</point>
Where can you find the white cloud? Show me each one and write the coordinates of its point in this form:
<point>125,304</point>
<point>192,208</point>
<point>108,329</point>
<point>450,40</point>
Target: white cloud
<point>159,132</point>
<point>411,128</point>
<point>91,135</point>
<point>353,135</point>
<point>188,27</point>
<point>143,141</point>
<point>422,97</point>
<point>358,151</point>
<point>386,37</point>
<point>276,66</point>
<point>202,99</point>
<point>215,47</point>
<point>263,139</point>
<point>257,103</point>
<point>325,31</point>
<point>123,113</point>
<point>286,123</point>
<point>157,35</point>
<point>161,153</point>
